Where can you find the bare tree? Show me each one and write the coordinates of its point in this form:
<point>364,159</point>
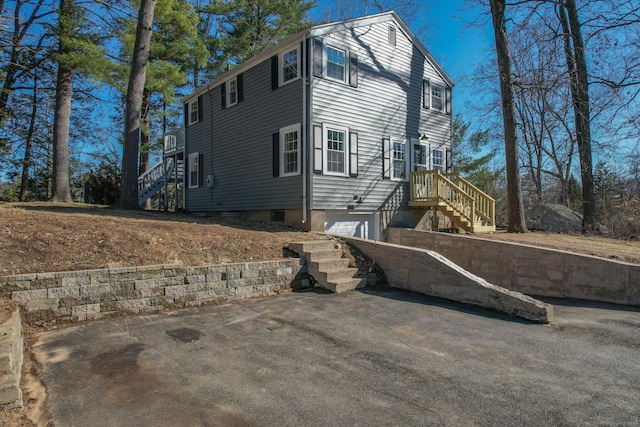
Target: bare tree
<point>133,108</point>
<point>516,222</point>
<point>577,66</point>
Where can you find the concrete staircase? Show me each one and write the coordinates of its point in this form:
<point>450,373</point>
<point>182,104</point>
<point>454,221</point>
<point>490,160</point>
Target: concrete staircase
<point>326,265</point>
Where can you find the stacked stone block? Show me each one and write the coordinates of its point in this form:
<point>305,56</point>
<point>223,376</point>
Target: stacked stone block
<point>95,294</point>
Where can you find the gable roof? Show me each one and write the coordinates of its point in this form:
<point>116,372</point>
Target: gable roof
<point>318,30</point>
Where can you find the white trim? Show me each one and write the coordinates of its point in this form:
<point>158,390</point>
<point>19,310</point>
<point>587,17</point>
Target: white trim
<point>325,141</point>
<point>416,141</point>
<point>195,156</point>
<point>406,160</point>
<point>281,55</point>
<point>440,167</point>
<point>228,88</point>
<point>193,109</point>
<point>345,63</point>
<point>283,131</point>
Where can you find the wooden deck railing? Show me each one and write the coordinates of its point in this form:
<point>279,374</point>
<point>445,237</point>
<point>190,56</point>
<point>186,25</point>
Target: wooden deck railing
<point>434,188</point>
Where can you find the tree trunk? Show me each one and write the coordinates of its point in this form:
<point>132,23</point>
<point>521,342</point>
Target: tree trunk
<point>62,115</point>
<point>516,222</point>
<point>129,191</point>
<point>144,139</point>
<point>26,162</point>
<point>577,66</point>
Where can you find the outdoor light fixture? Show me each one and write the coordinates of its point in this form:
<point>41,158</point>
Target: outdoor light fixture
<point>424,137</point>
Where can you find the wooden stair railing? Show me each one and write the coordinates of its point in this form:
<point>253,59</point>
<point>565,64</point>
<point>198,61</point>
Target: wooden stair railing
<point>485,204</point>
<point>465,204</point>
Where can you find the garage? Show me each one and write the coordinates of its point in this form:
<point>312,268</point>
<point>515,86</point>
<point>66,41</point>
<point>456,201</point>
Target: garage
<point>365,225</point>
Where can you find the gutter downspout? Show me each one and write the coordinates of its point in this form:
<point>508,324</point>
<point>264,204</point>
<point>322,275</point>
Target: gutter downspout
<point>305,130</point>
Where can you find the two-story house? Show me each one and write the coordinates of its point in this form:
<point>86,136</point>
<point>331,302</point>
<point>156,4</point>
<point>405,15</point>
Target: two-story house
<point>322,131</point>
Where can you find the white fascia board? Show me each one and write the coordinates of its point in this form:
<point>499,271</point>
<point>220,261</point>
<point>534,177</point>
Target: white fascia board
<point>250,63</point>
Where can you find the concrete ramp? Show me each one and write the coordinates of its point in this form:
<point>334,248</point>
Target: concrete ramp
<point>429,273</point>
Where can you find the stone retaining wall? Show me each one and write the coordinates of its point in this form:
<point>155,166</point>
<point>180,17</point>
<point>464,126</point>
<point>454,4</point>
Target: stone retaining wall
<point>11,358</point>
<point>95,294</point>
<point>429,273</point>
<point>532,270</point>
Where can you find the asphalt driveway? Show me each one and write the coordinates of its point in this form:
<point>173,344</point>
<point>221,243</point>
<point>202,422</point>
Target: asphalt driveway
<point>371,358</point>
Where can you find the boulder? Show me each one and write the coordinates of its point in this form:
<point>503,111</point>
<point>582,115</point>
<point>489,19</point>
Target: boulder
<point>553,217</point>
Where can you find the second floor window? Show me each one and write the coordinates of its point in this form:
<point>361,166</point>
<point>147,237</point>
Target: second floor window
<point>289,67</point>
<point>232,92</point>
<point>335,64</point>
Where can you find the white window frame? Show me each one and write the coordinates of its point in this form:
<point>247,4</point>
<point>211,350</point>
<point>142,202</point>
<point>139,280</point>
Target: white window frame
<point>424,146</point>
<point>441,166</point>
<point>325,149</point>
<point>283,152</point>
<point>281,65</point>
<point>345,64</point>
<point>193,111</point>
<point>229,91</point>
<point>195,156</point>
<point>405,154</point>
<point>432,94</point>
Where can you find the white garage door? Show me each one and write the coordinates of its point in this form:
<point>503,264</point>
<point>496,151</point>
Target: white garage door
<point>354,224</point>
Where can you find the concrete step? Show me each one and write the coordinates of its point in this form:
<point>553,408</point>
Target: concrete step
<point>311,246</point>
<point>330,264</point>
<point>323,255</point>
<point>326,265</point>
<point>344,285</point>
<point>333,275</point>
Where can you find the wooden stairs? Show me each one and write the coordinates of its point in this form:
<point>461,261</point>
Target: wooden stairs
<point>326,265</point>
<point>468,207</point>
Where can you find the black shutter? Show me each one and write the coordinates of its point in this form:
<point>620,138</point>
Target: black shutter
<point>426,94</point>
<point>317,149</point>
<point>449,162</point>
<point>353,70</point>
<point>274,72</point>
<point>275,142</point>
<point>200,108</point>
<point>447,94</point>
<point>200,170</point>
<point>386,158</point>
<point>318,55</point>
<point>186,114</point>
<point>353,155</point>
<point>223,97</point>
<point>240,86</point>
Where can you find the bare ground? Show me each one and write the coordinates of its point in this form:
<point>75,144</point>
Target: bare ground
<point>45,237</point>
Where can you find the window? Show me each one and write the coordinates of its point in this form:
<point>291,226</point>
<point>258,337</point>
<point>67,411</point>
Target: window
<point>193,112</point>
<point>232,92</point>
<point>419,157</point>
<point>194,170</point>
<point>437,98</point>
<point>335,64</point>
<point>290,149</point>
<point>335,148</point>
<point>399,166</point>
<point>289,66</point>
<point>436,160</point>
<point>392,36</point>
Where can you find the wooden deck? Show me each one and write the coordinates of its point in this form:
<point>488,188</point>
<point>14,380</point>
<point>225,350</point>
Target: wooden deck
<point>463,203</point>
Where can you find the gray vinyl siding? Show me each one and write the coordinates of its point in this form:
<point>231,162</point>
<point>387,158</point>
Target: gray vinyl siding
<point>386,103</point>
<point>237,146</point>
